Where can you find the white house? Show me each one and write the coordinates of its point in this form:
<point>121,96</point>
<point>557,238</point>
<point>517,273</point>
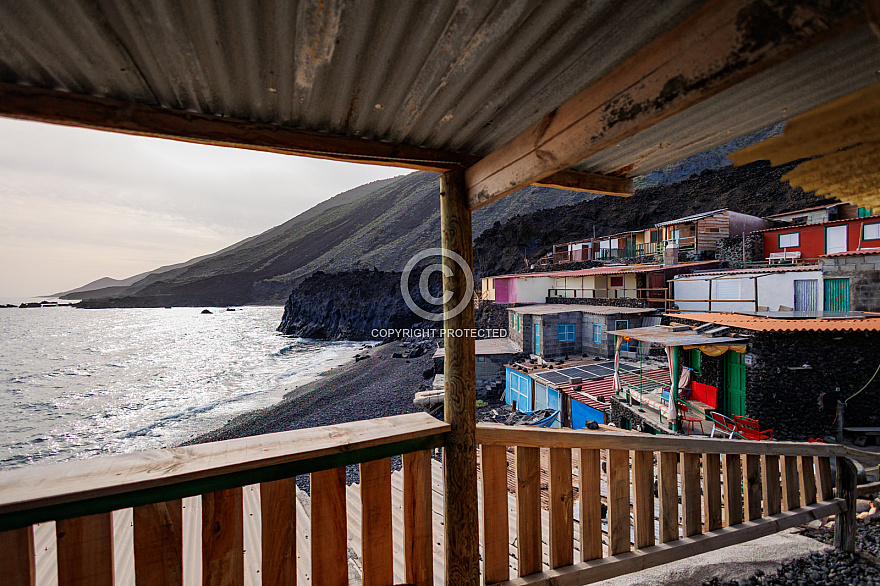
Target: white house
<point>787,288</point>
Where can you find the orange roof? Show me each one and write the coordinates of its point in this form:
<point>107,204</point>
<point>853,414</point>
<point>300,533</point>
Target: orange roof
<point>767,324</point>
<point>853,253</point>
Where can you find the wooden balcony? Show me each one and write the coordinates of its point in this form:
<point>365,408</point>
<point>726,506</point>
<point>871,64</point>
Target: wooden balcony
<point>224,512</point>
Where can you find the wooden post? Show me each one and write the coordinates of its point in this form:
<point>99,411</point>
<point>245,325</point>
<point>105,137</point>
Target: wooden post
<point>460,454</point>
<point>591,505</point>
<point>561,508</point>
<point>17,568</point>
<point>158,543</point>
<point>85,550</point>
<point>417,530</point>
<point>493,465</point>
<point>223,538</point>
<point>847,488</point>
<point>278,530</point>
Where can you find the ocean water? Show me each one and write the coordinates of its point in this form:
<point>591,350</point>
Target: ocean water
<point>80,383</point>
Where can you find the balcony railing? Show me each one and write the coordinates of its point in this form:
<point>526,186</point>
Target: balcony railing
<point>657,294</point>
<point>729,492</point>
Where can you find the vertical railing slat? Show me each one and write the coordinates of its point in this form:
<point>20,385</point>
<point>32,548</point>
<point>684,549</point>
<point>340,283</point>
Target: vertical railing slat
<point>643,497</point>
<point>733,490</point>
<point>752,487</point>
<point>561,508</point>
<point>17,568</point>
<point>808,479</point>
<point>417,523</point>
<point>589,486</point>
<point>528,509</point>
<point>845,525</point>
<point>712,492</point>
<point>791,498</point>
<point>493,465</point>
<point>223,538</point>
<point>377,555</point>
<point>772,486</point>
<point>329,528</point>
<point>617,472</point>
<point>278,514</point>
<point>668,494</point>
<point>158,543</point>
<point>85,550</point>
<point>826,487</point>
<point>690,494</point>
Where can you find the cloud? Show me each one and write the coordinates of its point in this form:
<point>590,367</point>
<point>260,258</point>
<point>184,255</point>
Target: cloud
<point>116,205</point>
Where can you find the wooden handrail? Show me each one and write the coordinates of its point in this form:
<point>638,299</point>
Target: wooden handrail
<point>73,489</point>
<point>503,435</point>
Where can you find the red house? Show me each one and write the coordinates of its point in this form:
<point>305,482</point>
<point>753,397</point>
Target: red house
<point>815,240</point>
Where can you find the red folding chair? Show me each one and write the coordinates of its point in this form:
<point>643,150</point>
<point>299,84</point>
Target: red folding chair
<point>690,420</point>
<point>749,429</point>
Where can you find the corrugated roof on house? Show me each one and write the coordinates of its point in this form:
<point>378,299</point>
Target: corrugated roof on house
<point>609,270</point>
<point>551,308</point>
<point>691,218</point>
<point>760,270</point>
<point>869,323</point>
<point>592,390</point>
<point>799,226</point>
<point>813,209</point>
<point>861,252</point>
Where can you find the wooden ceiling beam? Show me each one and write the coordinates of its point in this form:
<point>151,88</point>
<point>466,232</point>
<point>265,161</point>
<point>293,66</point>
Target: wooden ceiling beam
<point>721,44</point>
<point>56,107</point>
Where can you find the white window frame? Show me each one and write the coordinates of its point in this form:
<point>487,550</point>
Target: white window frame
<point>797,240</point>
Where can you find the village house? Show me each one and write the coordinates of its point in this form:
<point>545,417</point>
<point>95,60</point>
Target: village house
<point>554,331</point>
<point>701,232</point>
<point>771,288</point>
<point>820,214</point>
<point>808,242</point>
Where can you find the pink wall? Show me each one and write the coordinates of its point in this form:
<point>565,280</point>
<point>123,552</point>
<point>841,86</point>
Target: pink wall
<point>505,290</point>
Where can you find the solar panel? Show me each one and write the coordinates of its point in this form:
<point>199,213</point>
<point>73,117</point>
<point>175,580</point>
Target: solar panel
<point>556,378</point>
<point>571,372</point>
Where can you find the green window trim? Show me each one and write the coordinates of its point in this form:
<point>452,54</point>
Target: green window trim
<point>695,360</point>
<point>796,245</point>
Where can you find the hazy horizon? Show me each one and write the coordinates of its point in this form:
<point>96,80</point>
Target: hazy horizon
<point>79,205</point>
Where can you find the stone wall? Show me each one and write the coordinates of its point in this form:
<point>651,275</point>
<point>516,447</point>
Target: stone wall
<point>622,302</point>
<point>863,272</point>
<point>730,250</point>
<point>551,347</point>
<point>786,400</point>
<point>624,417</point>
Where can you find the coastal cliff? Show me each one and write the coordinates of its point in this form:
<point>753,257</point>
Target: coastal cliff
<point>348,306</point>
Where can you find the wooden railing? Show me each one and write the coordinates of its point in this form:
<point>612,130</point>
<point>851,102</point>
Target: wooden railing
<point>730,492</point>
<point>81,497</point>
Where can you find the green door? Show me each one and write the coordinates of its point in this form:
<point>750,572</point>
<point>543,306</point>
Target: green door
<point>836,294</point>
<point>734,383</point>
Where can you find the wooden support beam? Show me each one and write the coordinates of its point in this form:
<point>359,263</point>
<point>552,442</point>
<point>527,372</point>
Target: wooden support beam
<point>100,113</point>
<point>845,523</point>
<point>17,568</point>
<point>418,560</point>
<point>617,478</point>
<point>376,540</point>
<point>725,41</point>
<point>329,528</point>
<point>643,497</point>
<point>528,510</point>
<point>460,452</point>
<point>85,551</point>
<point>589,475</point>
<point>223,538</point>
<point>278,519</point>
<point>158,543</point>
<point>826,486</point>
<point>561,508</point>
<point>668,495</point>
<point>493,465</point>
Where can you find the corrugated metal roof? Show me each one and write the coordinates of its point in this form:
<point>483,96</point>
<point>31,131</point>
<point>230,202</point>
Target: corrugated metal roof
<point>766,324</point>
<point>799,226</point>
<point>612,270</point>
<point>592,390</point>
<point>699,216</point>
<point>753,271</point>
<point>862,252</point>
<point>813,209</point>
<point>667,337</point>
<point>551,308</point>
<point>461,77</point>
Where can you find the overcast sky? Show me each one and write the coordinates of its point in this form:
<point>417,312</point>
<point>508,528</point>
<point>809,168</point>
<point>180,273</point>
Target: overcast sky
<point>77,205</point>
